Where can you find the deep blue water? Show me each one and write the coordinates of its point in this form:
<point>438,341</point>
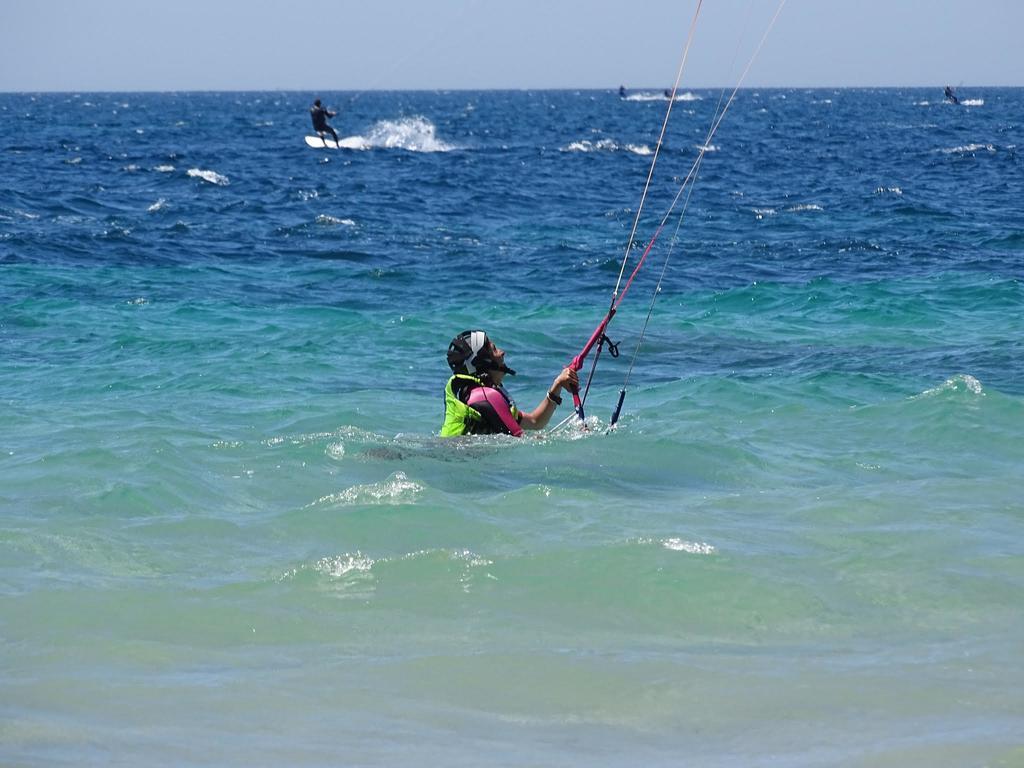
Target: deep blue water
<point>228,534</point>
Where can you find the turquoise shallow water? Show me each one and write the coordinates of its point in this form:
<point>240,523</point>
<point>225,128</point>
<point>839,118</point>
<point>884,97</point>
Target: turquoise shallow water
<point>229,536</point>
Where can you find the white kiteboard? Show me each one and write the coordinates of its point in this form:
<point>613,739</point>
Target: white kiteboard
<point>349,142</point>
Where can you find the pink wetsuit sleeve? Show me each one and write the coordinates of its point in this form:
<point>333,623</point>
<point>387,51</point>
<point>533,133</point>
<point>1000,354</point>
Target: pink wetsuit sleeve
<point>499,405</point>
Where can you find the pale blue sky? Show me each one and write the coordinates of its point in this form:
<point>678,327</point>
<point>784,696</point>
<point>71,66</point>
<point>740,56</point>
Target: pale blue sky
<point>78,45</point>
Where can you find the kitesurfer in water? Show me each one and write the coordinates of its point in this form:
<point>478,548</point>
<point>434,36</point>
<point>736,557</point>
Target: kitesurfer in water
<point>950,96</point>
<point>476,403</point>
<point>622,91</point>
<point>319,116</point>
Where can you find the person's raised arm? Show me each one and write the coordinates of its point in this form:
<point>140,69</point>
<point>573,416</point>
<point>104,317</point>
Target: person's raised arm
<point>539,417</point>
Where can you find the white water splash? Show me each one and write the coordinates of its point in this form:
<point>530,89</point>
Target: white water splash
<point>164,169</point>
<point>471,559</point>
<point>220,444</point>
<point>963,382</point>
<point>158,205</point>
<point>211,176</point>
<point>651,96</point>
<point>968,148</point>
<point>397,489</point>
<point>692,547</point>
<point>340,565</point>
<point>639,149</point>
<point>415,134</point>
<point>607,145</point>
<point>590,146</point>
<point>324,218</point>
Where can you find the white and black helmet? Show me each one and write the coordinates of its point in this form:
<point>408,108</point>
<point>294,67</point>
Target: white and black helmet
<point>469,353</point>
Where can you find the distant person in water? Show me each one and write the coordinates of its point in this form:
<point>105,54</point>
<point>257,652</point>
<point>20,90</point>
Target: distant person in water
<point>668,93</point>
<point>950,96</point>
<point>319,116</point>
<point>622,91</point>
<point>476,403</point>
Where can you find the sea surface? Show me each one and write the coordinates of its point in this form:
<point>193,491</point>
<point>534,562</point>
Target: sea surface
<point>230,536</point>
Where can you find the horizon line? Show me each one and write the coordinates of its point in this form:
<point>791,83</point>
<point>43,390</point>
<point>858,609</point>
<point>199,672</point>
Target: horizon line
<point>612,89</point>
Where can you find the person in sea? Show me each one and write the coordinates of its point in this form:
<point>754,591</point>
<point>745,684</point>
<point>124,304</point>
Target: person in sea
<point>475,400</point>
<point>950,96</point>
<point>319,115</point>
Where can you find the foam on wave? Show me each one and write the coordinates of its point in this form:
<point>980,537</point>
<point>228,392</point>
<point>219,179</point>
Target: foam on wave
<point>325,218</point>
<point>414,134</point>
<point>651,96</point>
<point>358,566</point>
<point>963,382</point>
<point>968,148</point>
<point>607,145</point>
<point>397,489</point>
<point>209,176</point>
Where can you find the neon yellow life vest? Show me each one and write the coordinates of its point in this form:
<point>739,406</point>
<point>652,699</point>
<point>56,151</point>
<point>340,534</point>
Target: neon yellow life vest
<point>459,418</point>
<point>462,419</point>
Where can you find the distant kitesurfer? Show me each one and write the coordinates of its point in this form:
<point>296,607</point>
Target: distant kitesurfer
<point>476,403</point>
<point>950,96</point>
<point>668,93</point>
<point>319,115</point>
<point>622,91</point>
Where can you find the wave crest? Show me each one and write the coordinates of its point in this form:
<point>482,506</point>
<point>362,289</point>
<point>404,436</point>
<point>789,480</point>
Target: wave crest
<point>963,382</point>
<point>324,218</point>
<point>210,176</point>
<point>607,145</point>
<point>397,489</point>
<point>651,96</point>
<point>968,148</point>
<point>336,567</point>
<point>415,134</point>
<point>691,547</point>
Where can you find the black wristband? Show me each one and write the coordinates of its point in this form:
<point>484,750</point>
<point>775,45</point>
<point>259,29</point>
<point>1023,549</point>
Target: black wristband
<point>554,398</point>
